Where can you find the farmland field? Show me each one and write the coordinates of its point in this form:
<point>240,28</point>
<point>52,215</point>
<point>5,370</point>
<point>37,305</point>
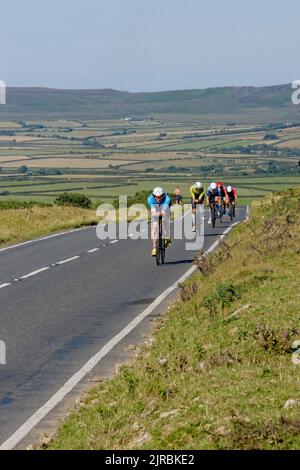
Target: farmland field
<point>103,159</point>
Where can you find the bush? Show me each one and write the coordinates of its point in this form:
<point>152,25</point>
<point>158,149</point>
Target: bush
<point>139,198</point>
<point>73,199</point>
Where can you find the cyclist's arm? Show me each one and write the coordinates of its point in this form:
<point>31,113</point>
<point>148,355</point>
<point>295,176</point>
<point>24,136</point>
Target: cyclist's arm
<point>192,188</point>
<point>202,195</point>
<point>208,197</point>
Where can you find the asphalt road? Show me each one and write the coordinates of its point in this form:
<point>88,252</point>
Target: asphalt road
<point>80,292</point>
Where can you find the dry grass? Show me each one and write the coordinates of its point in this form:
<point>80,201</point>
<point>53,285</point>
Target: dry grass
<point>24,224</point>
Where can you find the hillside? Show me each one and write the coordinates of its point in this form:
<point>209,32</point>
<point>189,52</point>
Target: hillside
<point>251,104</point>
<point>220,372</point>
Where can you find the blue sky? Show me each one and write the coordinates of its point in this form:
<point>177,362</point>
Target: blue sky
<point>143,45</point>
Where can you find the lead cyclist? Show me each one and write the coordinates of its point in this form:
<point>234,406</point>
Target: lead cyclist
<point>159,202</point>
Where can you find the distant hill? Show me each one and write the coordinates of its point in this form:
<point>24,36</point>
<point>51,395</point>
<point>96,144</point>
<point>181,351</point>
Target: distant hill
<point>237,104</point>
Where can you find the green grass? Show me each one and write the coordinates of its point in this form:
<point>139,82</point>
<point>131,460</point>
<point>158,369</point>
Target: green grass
<point>211,380</point>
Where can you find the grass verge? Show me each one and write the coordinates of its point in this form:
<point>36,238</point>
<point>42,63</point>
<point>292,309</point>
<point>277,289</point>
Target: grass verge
<point>219,372</point>
<point>25,223</point>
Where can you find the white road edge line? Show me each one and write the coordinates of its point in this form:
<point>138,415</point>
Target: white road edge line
<point>6,284</point>
<point>34,273</point>
<point>23,430</point>
<point>68,260</point>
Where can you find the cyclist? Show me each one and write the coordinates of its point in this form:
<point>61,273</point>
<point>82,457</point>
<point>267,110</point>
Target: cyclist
<point>214,193</point>
<point>232,197</point>
<point>197,191</point>
<point>223,194</point>
<point>159,202</point>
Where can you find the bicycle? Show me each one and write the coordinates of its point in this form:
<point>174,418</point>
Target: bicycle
<point>230,212</point>
<point>215,212</point>
<point>160,244</point>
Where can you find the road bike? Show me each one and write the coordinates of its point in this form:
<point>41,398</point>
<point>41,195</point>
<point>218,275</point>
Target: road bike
<point>215,212</point>
<point>160,244</point>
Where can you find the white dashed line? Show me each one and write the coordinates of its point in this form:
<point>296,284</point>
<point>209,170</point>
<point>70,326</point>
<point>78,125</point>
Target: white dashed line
<point>114,241</point>
<point>5,285</point>
<point>93,250</point>
<point>34,273</point>
<point>68,260</point>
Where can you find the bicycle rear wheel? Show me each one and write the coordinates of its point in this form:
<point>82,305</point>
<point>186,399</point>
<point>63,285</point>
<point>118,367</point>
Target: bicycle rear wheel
<point>213,216</point>
<point>157,254</point>
<point>231,212</point>
<point>162,252</point>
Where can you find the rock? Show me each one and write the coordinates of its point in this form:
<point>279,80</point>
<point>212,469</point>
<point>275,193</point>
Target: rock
<point>291,403</point>
<point>200,366</point>
<point>142,438</point>
<point>296,344</point>
<point>166,414</point>
<point>221,431</point>
<point>113,403</point>
<point>136,426</point>
<point>45,440</point>
<point>131,347</point>
<point>162,361</point>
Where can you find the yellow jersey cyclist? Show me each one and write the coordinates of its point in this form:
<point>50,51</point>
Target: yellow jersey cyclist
<point>197,191</point>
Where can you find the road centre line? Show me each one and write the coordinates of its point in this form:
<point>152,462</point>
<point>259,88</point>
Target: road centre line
<point>33,273</point>
<point>6,284</point>
<point>68,260</point>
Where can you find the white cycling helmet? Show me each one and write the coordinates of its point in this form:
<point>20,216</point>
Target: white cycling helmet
<point>229,189</point>
<point>158,192</point>
<point>213,186</point>
<point>198,185</point>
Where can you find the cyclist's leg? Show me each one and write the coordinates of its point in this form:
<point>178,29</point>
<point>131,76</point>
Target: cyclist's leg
<point>233,208</point>
<point>193,215</point>
<point>218,207</point>
<point>154,236</point>
<point>166,229</point>
<point>210,209</point>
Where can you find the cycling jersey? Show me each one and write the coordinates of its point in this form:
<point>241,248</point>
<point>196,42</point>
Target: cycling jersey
<point>197,193</point>
<point>232,196</point>
<point>163,204</point>
<point>223,191</point>
<point>212,194</point>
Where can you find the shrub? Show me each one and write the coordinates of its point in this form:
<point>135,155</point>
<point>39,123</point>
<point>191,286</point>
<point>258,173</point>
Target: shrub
<point>73,199</point>
<point>139,198</point>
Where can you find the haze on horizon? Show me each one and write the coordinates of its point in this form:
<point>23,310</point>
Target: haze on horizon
<point>138,45</point>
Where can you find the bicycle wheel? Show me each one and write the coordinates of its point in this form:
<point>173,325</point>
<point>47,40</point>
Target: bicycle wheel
<point>162,252</point>
<point>157,255</point>
<point>231,212</point>
<point>159,243</point>
<point>221,213</point>
<point>213,216</point>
